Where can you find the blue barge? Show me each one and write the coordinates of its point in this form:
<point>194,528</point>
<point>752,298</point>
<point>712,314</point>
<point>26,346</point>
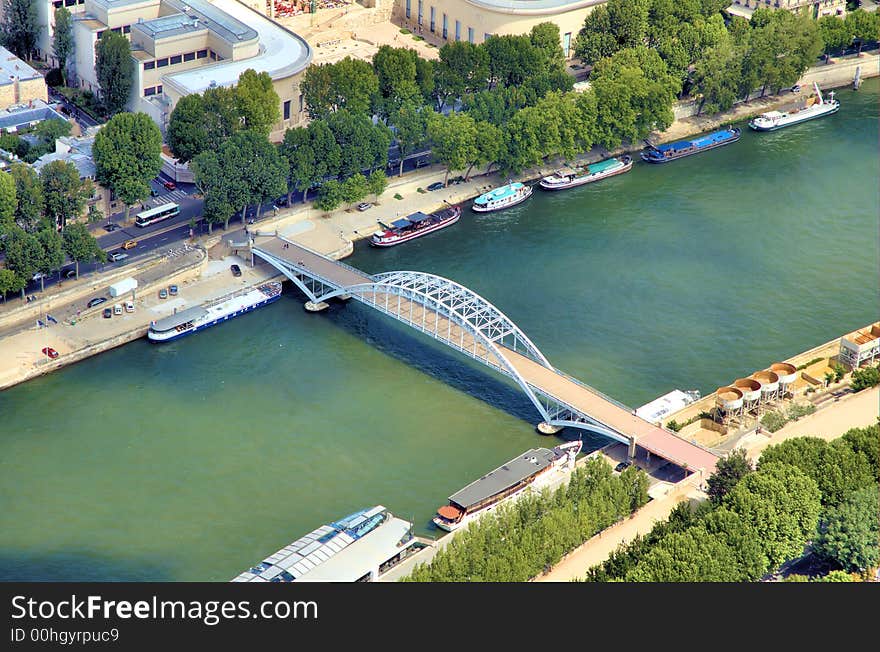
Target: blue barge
<point>681,148</point>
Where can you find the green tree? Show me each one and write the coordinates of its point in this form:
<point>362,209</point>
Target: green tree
<point>115,70</point>
<point>454,140</point>
<point>411,123</point>
<point>865,378</point>
<point>596,39</point>
<point>81,246</point>
<point>690,556</point>
<point>222,117</point>
<point>23,254</point>
<point>265,168</point>
<point>865,26</point>
<point>728,472</point>
<point>214,187</point>
<point>867,442</point>
<point>835,576</point>
<point>523,141</point>
<point>51,130</point>
<point>65,194</point>
<point>8,202</point>
<point>297,149</point>
<point>849,533</point>
<point>11,282</point>
<point>63,44</point>
<point>52,258</point>
<point>187,131</point>
<point>377,182</point>
<point>257,102</point>
<point>396,71</point>
<point>488,142</point>
<point>21,27</point>
<point>355,188</point>
<point>328,153</point>
<point>347,84</point>
<point>546,40</point>
<point>512,60</point>
<point>363,145</point>
<point>836,34</point>
<point>29,196</point>
<point>462,68</point>
<point>128,154</point>
<point>329,196</point>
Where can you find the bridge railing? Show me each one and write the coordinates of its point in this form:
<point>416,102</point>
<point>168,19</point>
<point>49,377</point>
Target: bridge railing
<point>595,391</point>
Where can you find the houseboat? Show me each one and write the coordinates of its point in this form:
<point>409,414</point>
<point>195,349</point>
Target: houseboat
<point>816,106</point>
<point>414,226</point>
<point>681,148</point>
<point>502,197</point>
<point>569,177</point>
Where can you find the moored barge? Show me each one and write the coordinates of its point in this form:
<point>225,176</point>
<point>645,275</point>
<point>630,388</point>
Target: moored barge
<point>681,148</point>
<point>414,226</point>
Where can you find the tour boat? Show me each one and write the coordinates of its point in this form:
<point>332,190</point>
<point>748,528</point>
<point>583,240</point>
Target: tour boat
<point>199,318</point>
<point>414,226</point>
<point>502,197</point>
<point>357,548</point>
<point>568,177</point>
<point>816,107</point>
<point>534,469</point>
<point>681,148</point>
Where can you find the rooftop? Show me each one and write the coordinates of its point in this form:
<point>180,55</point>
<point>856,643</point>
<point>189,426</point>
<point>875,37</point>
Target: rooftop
<point>526,7</point>
<point>168,26</point>
<point>506,475</point>
<point>282,53</point>
<point>20,115</point>
<point>11,66</point>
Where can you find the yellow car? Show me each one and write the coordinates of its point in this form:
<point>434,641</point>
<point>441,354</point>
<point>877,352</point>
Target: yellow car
<point>129,244</point>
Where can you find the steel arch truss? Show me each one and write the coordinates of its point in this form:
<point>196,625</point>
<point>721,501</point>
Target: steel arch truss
<point>306,280</point>
<point>558,413</point>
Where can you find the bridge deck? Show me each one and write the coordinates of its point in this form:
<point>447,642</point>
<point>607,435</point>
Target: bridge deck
<point>314,263</point>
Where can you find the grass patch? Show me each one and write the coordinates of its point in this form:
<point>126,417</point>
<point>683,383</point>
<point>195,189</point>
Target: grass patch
<point>419,38</point>
<point>807,364</point>
<point>421,190</point>
<point>404,30</point>
<point>397,195</point>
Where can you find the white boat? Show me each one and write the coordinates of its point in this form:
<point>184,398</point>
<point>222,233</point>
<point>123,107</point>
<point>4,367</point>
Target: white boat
<point>199,318</point>
<point>358,548</point>
<point>502,197</point>
<point>570,177</point>
<point>816,107</point>
<point>533,470</point>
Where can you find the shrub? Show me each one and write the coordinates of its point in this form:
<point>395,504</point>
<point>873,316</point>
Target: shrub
<point>865,378</point>
<point>674,426</point>
<point>773,420</point>
<point>807,364</point>
<point>799,410</point>
<point>397,195</point>
<point>54,78</point>
<point>404,30</point>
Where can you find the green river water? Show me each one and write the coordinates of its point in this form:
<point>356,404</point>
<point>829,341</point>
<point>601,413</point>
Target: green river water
<point>194,460</point>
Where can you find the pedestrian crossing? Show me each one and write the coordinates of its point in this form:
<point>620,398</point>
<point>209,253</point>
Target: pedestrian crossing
<point>174,195</point>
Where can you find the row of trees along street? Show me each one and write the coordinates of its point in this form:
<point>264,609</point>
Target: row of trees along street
<point>807,495</point>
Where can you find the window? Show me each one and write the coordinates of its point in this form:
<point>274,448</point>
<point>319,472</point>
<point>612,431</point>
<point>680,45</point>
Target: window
<point>566,44</point>
<point>57,4</point>
<point>69,3</point>
<point>213,55</point>
<point>149,65</point>
<point>189,56</point>
<point>433,16</point>
<point>470,34</point>
<point>158,89</point>
<point>445,26</point>
<point>420,11</point>
<point>486,37</point>
<point>301,99</point>
<point>458,30</point>
<point>287,109</point>
<point>176,59</point>
<point>118,30</point>
<point>201,54</point>
<point>408,10</point>
<point>149,91</point>
<point>101,33</point>
<point>126,29</point>
<point>161,63</point>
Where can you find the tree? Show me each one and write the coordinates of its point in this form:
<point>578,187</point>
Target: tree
<point>29,196</point>
<point>115,70</point>
<point>454,140</point>
<point>596,39</point>
<point>329,196</point>
<point>222,118</point>
<point>545,39</point>
<point>52,130</point>
<point>849,532</point>
<point>348,84</point>
<point>865,378</point>
<point>128,154</point>
<point>462,68</point>
<point>8,201</point>
<point>297,149</point>
<point>836,34</point>
<point>355,188</point>
<point>690,556</point>
<point>377,182</point>
<point>717,77</point>
<point>363,145</point>
<point>213,185</point>
<point>10,282</point>
<point>411,122</point>
<point>65,194</point>
<point>867,442</point>
<point>396,71</point>
<point>328,153</point>
<point>187,132</point>
<point>728,472</point>
<point>63,44</point>
<point>23,254</point>
<point>865,26</point>
<point>488,142</point>
<point>265,169</point>
<point>523,141</point>
<point>257,102</point>
<point>21,27</point>
<point>512,60</point>
<point>53,257</point>
<point>81,246</point>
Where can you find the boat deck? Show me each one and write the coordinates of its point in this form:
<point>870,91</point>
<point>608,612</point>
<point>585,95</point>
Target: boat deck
<point>504,477</point>
<point>500,193</point>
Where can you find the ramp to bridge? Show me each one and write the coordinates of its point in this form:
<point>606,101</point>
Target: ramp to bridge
<point>312,262</point>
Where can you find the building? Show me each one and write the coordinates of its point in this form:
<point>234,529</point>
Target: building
<point>860,346</point>
<point>24,116</point>
<point>180,48</point>
<point>814,8</point>
<point>477,20</point>
<point>19,83</point>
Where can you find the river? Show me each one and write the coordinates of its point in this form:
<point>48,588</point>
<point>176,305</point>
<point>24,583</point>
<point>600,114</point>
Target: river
<point>194,460</point>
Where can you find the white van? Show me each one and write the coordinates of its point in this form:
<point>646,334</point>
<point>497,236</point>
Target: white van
<point>117,309</point>
<point>129,306</point>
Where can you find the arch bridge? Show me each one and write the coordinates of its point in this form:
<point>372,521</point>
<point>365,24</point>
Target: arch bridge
<point>463,320</point>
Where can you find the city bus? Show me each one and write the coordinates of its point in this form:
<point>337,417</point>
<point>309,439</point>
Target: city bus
<point>157,214</point>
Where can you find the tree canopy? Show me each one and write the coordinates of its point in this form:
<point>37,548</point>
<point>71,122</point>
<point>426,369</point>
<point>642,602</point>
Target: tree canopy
<point>21,27</point>
<point>849,532</point>
<point>115,70</point>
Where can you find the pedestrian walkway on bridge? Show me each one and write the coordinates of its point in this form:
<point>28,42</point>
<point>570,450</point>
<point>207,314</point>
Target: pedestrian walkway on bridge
<point>465,321</point>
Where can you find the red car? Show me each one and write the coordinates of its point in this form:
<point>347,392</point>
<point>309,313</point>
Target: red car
<point>52,353</point>
<point>169,185</point>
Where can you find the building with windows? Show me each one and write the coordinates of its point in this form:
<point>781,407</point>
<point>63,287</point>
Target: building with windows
<point>476,20</point>
<point>182,47</point>
<point>813,8</point>
<point>19,83</point>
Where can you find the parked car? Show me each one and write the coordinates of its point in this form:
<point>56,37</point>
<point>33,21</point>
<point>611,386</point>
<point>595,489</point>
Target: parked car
<point>437,185</point>
<point>116,256</point>
<point>71,273</point>
<point>97,301</point>
<point>169,185</point>
<point>364,206</point>
<point>52,353</point>
<point>236,270</point>
<point>117,309</point>
<point>129,306</point>
<point>108,313</point>
<point>129,244</point>
<point>622,466</point>
<point>172,290</point>
<point>38,276</point>
<point>110,227</point>
<point>163,293</point>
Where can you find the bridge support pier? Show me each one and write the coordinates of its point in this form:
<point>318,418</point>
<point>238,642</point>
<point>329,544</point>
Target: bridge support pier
<point>311,306</point>
<point>344,297</point>
<point>631,450</point>
<point>546,429</point>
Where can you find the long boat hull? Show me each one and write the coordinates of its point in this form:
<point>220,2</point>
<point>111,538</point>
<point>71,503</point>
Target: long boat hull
<point>793,120</point>
<point>588,178</point>
<point>160,338</point>
<point>406,237</point>
<point>666,159</point>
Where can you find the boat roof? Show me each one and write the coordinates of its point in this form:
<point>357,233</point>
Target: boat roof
<point>500,193</point>
<point>418,216</point>
<point>506,475</point>
<point>179,318</point>
<point>402,222</point>
<point>601,166</point>
<point>772,114</point>
<point>320,546</point>
<point>702,141</point>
